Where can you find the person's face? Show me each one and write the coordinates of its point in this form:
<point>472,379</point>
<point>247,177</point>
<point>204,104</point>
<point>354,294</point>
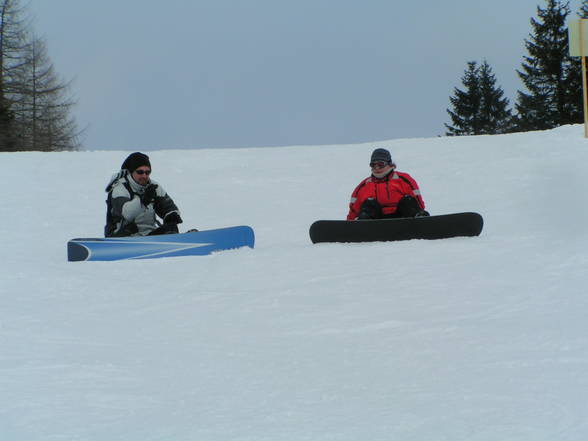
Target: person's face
<point>141,175</point>
<point>380,167</point>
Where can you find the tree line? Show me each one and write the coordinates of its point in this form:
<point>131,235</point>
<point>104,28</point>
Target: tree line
<point>552,80</point>
<point>35,104</point>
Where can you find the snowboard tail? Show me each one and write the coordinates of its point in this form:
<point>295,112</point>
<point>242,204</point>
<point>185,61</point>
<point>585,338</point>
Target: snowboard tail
<point>197,243</point>
<point>381,230</point>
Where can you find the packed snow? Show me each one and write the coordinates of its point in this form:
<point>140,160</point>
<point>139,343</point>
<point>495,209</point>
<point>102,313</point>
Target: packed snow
<point>477,339</point>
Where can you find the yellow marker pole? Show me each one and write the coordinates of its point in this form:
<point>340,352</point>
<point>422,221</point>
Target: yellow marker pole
<point>585,91</point>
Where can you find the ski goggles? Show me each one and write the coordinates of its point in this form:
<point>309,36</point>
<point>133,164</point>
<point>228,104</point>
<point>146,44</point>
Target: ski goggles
<point>378,164</point>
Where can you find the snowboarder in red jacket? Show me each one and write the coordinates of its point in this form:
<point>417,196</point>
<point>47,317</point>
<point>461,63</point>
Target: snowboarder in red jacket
<point>387,193</point>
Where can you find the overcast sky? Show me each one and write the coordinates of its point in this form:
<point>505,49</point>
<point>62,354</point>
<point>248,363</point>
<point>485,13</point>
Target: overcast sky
<point>153,74</point>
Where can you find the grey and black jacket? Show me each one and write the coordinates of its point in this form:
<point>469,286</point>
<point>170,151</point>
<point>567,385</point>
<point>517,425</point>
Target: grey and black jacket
<point>126,214</point>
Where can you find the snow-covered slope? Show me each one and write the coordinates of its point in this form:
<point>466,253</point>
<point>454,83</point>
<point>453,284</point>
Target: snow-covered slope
<point>461,339</point>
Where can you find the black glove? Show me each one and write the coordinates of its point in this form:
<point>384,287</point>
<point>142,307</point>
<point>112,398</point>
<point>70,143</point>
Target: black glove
<point>149,194</point>
<point>370,209</point>
<point>408,206</point>
<point>172,218</point>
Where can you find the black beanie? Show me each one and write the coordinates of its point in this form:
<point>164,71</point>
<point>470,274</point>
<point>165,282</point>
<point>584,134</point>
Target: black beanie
<point>381,155</point>
<point>135,160</point>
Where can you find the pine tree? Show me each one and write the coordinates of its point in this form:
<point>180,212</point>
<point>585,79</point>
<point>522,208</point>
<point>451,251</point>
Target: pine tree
<point>466,104</point>
<point>43,112</point>
<point>549,74</point>
<point>480,109</point>
<point>34,103</point>
<point>495,116</point>
<point>12,43</point>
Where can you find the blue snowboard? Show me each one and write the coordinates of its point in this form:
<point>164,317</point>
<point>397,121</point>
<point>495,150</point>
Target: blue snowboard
<point>198,243</point>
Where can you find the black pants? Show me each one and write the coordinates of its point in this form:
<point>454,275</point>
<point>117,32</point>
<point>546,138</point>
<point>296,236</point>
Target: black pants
<point>165,229</point>
<point>407,207</point>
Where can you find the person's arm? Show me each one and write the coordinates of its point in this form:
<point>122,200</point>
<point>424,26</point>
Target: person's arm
<point>413,189</point>
<point>166,208</point>
<point>125,207</point>
<point>355,203</point>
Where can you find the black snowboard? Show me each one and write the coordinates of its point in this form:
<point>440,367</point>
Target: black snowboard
<point>380,230</point>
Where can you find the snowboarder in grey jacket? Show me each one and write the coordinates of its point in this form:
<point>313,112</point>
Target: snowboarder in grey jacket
<point>135,201</point>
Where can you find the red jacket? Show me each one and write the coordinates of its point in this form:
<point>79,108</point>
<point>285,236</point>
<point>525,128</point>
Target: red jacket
<point>387,191</point>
